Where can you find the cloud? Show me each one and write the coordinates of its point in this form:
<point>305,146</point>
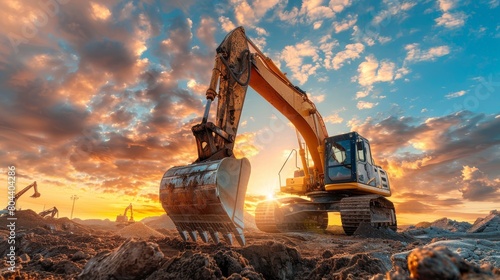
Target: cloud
<point>317,24</point>
<point>414,206</point>
<point>206,32</point>
<point>415,54</point>
<point>311,11</point>
<point>393,9</point>
<point>226,23</point>
<point>371,71</point>
<point>316,98</point>
<point>100,12</point>
<point>261,31</point>
<point>339,5</point>
<point>430,154</point>
<point>250,14</point>
<point>451,20</point>
<point>351,52</point>
<point>455,94</point>
<point>326,45</point>
<point>105,107</point>
<point>294,58</point>
<point>245,145</point>
<point>345,24</point>
<point>361,94</point>
<point>476,186</point>
<point>333,118</point>
<point>446,5</point>
<point>365,105</point>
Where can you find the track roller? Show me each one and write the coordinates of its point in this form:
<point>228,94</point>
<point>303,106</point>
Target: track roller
<point>273,216</point>
<point>373,209</point>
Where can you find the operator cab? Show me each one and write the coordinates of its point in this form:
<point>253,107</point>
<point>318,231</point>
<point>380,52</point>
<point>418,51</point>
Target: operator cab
<point>349,166</point>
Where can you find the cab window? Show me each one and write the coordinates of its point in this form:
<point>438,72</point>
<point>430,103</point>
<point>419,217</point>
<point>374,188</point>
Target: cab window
<point>339,160</point>
<point>360,150</point>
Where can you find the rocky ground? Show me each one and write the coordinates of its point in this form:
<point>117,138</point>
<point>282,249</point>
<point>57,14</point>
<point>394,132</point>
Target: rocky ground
<point>63,249</point>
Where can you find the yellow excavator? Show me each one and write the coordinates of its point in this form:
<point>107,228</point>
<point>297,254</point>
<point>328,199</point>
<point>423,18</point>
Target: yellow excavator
<point>123,220</point>
<point>36,194</point>
<point>206,198</point>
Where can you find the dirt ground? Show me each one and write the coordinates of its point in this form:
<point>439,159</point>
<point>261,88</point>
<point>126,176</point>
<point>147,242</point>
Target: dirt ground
<point>62,249</point>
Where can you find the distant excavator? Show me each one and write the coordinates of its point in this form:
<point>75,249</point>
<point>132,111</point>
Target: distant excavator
<point>207,196</point>
<point>52,212</point>
<point>122,220</point>
<point>21,192</point>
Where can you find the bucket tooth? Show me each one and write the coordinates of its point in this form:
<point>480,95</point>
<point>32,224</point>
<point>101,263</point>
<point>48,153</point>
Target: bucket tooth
<point>215,237</point>
<point>240,237</point>
<point>207,197</point>
<point>184,235</point>
<point>229,238</point>
<point>204,236</point>
<point>193,235</point>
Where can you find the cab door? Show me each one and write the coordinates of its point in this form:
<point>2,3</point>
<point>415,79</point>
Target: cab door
<point>366,171</point>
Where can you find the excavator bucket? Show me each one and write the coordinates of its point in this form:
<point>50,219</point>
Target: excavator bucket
<point>207,199</point>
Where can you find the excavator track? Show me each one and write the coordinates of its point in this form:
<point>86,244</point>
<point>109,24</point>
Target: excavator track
<point>270,217</point>
<point>373,209</point>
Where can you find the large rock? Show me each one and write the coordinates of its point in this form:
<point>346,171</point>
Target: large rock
<point>358,266</point>
<point>489,223</point>
<point>451,225</point>
<point>441,263</point>
<point>198,265</point>
<point>475,251</point>
<point>274,260</point>
<point>132,260</point>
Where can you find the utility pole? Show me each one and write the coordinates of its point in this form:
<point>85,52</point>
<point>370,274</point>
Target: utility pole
<point>74,198</point>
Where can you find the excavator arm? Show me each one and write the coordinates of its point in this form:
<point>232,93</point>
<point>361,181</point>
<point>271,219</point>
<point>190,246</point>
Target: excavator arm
<point>240,63</point>
<point>293,103</point>
<point>27,188</point>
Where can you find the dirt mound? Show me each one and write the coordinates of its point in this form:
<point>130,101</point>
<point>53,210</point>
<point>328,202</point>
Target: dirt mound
<point>139,230</point>
<point>441,263</point>
<point>358,266</point>
<point>28,219</point>
<point>451,225</point>
<point>97,224</point>
<point>160,222</point>
<point>489,223</point>
<point>367,231</point>
<point>132,260</point>
<point>198,265</point>
<point>274,260</point>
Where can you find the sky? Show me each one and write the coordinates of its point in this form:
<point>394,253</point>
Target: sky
<point>98,98</point>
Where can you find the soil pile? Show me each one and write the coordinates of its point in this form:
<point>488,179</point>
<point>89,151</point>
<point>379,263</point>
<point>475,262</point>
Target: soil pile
<point>367,231</point>
<point>97,224</point>
<point>377,254</point>
<point>52,254</point>
<point>223,264</point>
<point>490,223</point>
<point>451,225</point>
<point>132,260</point>
<point>159,222</point>
<point>28,219</point>
<point>139,230</point>
<point>441,263</point>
